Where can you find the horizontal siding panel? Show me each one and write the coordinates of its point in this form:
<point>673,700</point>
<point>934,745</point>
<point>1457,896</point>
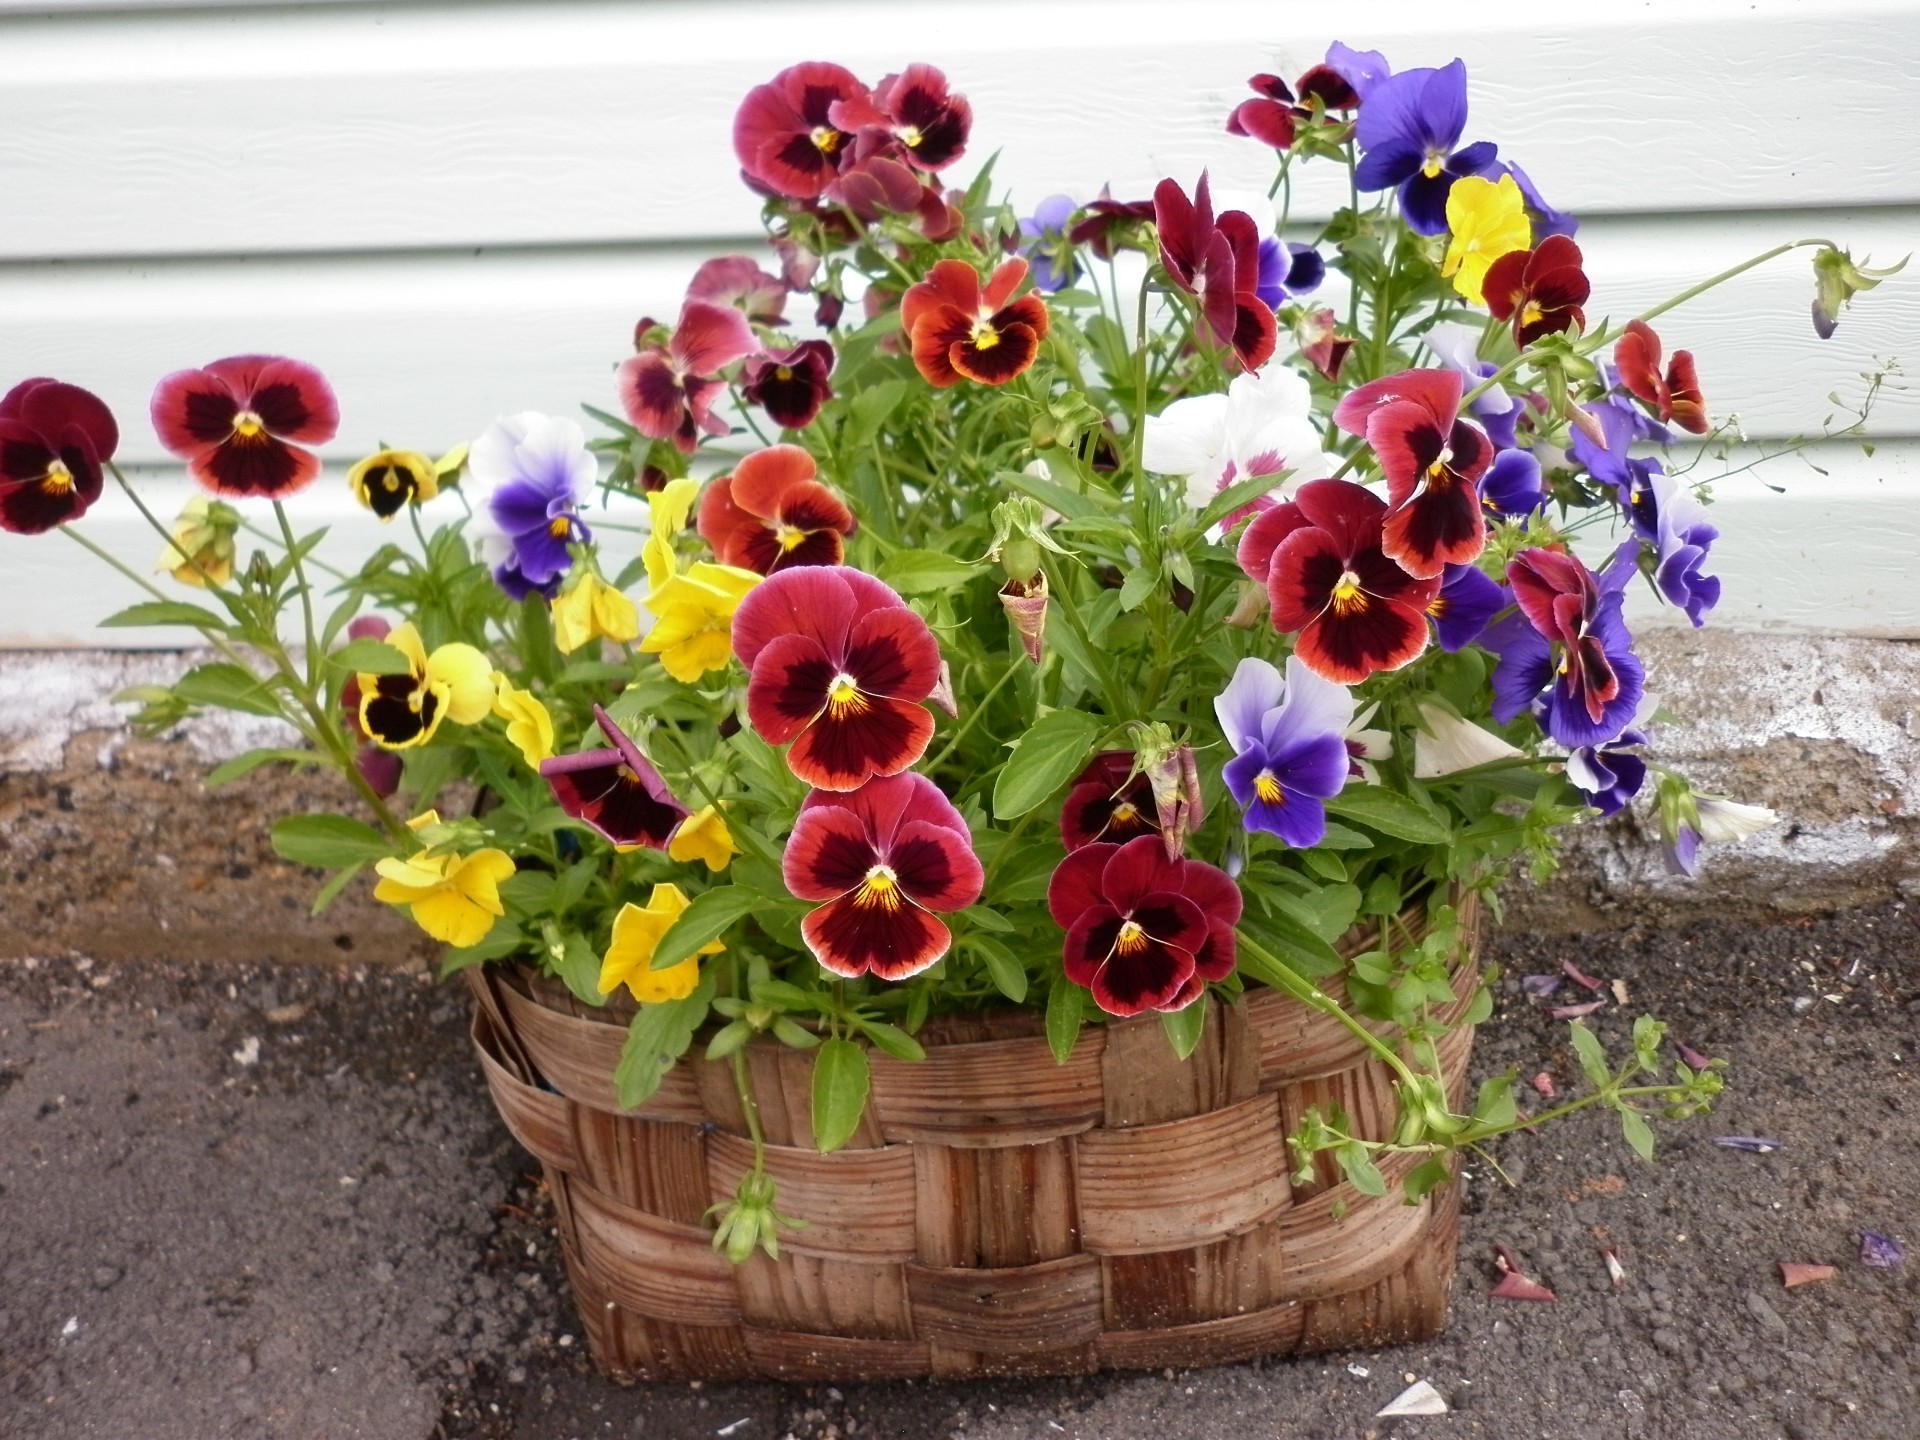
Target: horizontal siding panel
<point>426,349</point>
<point>1834,552</point>
<point>272,130</point>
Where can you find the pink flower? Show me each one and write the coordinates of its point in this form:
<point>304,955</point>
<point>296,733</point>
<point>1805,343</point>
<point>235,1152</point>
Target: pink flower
<point>669,391</point>
<point>783,133</point>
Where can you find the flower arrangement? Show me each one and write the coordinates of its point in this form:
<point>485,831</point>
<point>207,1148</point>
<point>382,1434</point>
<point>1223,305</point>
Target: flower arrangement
<point>1080,610</point>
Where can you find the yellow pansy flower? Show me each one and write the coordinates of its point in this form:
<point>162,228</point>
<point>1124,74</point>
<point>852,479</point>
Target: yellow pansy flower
<point>1487,220</point>
<point>529,726</point>
<point>667,512</point>
<point>636,935</point>
<point>386,481</point>
<point>590,609</point>
<point>694,633</point>
<point>454,898</point>
<point>703,835</point>
<point>401,711</point>
<point>202,548</point>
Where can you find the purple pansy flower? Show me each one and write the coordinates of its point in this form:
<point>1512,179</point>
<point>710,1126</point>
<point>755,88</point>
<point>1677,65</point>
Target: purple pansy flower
<point>1362,69</point>
<point>1290,749</point>
<point>1546,220</point>
<point>1568,642</point>
<point>535,471</point>
<point>1614,465</point>
<point>1287,269</point>
<point>1469,598</point>
<point>1609,775</point>
<point>1687,819</point>
<point>1511,486</point>
<point>1458,348</point>
<point>1683,534</point>
<point>1045,243</point>
<point>1408,127</point>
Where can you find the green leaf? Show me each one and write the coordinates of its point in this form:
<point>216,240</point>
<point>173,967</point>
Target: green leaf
<point>1050,754</point>
<point>1009,975</point>
<point>1495,1103</point>
<point>1066,1007</point>
<point>228,771</point>
<point>579,968</point>
<point>841,1080</point>
<point>1390,814</point>
<point>1357,1164</point>
<point>501,941</point>
<point>786,996</point>
<point>926,572</point>
<point>1236,495</point>
<point>891,1040</point>
<point>328,841</point>
<point>1070,503</point>
<point>868,410</point>
<point>985,917</point>
<point>658,1036</point>
<point>1426,1177</point>
<point>1339,837</point>
<point>797,1036</point>
<point>1183,1027</point>
<point>708,918</point>
<point>1593,1060</point>
<point>330,892</point>
<point>1135,589</point>
<point>729,1039</point>
<point>530,892</point>
<point>1293,945</point>
<point>163,612</point>
<point>370,657</point>
<point>1639,1134</point>
<point>226,687</point>
<point>572,884</point>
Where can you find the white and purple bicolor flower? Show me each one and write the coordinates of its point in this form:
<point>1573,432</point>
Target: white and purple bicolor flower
<point>1290,747</point>
<point>1458,348</point>
<point>1687,819</point>
<point>1263,425</point>
<point>533,471</point>
<point>1683,535</point>
<point>1611,773</point>
<point>1044,240</point>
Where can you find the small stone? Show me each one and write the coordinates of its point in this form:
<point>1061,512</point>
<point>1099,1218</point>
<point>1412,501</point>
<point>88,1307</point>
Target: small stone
<point>1768,1318</point>
<point>105,1277</point>
<point>1801,1004</point>
<point>1667,1342</point>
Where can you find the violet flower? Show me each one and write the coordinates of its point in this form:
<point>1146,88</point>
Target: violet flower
<point>616,791</point>
<point>1362,69</point>
<point>1290,749</point>
<point>535,471</point>
<point>1682,532</point>
<point>1469,598</point>
<point>1609,774</point>
<point>1511,487</point>
<point>1287,269</point>
<point>1408,129</point>
<point>1044,240</point>
<point>1569,643</point>
<point>1546,220</point>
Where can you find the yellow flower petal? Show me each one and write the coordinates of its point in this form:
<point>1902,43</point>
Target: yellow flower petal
<point>454,898</point>
<point>1487,220</point>
<point>670,505</point>
<point>636,935</point>
<point>529,726</point>
<point>464,679</point>
<point>703,835</point>
<point>590,609</point>
<point>406,640</point>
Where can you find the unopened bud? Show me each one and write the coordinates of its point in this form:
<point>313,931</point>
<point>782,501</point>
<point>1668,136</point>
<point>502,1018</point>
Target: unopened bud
<point>1026,605</point>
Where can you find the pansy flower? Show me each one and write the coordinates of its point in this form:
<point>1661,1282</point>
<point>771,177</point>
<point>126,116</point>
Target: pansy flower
<point>387,481</point>
<point>882,183</point>
<point>616,791</point>
<point>1511,487</point>
<point>1366,745</point>
<point>885,859</point>
<point>1144,932</point>
<point>1487,221</point>
<point>1431,459</point>
<point>529,726</point>
<point>1687,819</point>
<point>534,471</point>
<point>1497,412</point>
<point>1289,739</point>
<point>961,330</point>
<point>1683,534</point>
<point>839,666</point>
<point>1546,219</point>
<point>738,281</point>
<point>790,385</point>
<point>916,110</point>
<point>454,898</point>
<point>1112,800</point>
<point>379,767</point>
<point>1319,555</point>
<point>55,441</point>
<point>1105,222</point>
<point>637,933</point>
<point>772,514</point>
<point>704,836</point>
<point>1408,129</point>
<point>1317,333</point>
<point>241,423</point>
<point>589,609</point>
<point>400,711</point>
<point>1045,243</point>
<point>1468,600</point>
<point>1274,115</point>
<point>1364,70</point>
<point>1217,261</point>
<point>694,605</point>
<point>1539,291</point>
<point>1262,425</point>
<point>1674,396</point>
<point>1568,641</point>
<point>669,391</point>
<point>200,550</point>
<point>783,133</point>
<point>1285,270</point>
<point>1611,773</point>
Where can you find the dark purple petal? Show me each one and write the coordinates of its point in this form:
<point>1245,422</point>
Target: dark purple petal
<point>1511,485</point>
<point>1423,201</point>
<point>1540,986</point>
<point>1468,600</point>
<point>1880,1252</point>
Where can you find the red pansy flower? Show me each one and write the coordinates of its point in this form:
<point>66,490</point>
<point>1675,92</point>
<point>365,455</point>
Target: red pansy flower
<point>1431,459</point>
<point>1105,219</point>
<point>914,109</point>
<point>883,857</point>
<point>1273,117</point>
<point>838,665</point>
<point>1540,291</point>
<point>1319,556</point>
<point>790,385</point>
<point>960,330</point>
<point>669,391</point>
<point>783,132</point>
<point>1109,801</point>
<point>771,514</point>
<point>882,183</point>
<point>240,423</point>
<point>738,280</point>
<point>1674,396</point>
<point>616,791</point>
<point>1143,932</point>
<point>55,440</point>
<point>1217,261</point>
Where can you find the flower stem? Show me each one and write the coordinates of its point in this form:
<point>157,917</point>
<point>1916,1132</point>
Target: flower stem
<point>306,594</point>
<point>1271,970</point>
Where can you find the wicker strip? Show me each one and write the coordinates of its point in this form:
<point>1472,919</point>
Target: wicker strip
<point>1012,1309</point>
<point>992,1093</point>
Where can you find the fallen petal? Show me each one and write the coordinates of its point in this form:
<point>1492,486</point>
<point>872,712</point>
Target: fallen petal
<point>1419,1398</point>
<point>1692,1058</point>
<point>1540,986</point>
<point>1515,1286</point>
<point>1757,1144</point>
<point>1574,1012</point>
<point>1579,977</point>
<point>1617,1272</point>
<point>1543,1082</point>
<point>1793,1274</point>
<point>1880,1252</point>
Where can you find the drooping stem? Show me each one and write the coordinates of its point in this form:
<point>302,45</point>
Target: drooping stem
<point>1271,970</point>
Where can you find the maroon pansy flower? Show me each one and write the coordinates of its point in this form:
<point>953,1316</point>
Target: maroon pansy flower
<point>669,391</point>
<point>838,665</point>
<point>1111,801</point>
<point>1217,261</point>
<point>771,514</point>
<point>1539,291</point>
<point>883,858</point>
<point>914,109</point>
<point>783,133</point>
<point>378,766</point>
<point>55,440</point>
<point>1431,459</point>
<point>1318,334</point>
<point>1675,396</point>
<point>616,791</point>
<point>1144,932</point>
<point>738,280</point>
<point>790,385</point>
<point>881,184</point>
<point>1105,220</point>
<point>961,330</point>
<point>1319,555</point>
<point>241,423</point>
<point>1276,112</point>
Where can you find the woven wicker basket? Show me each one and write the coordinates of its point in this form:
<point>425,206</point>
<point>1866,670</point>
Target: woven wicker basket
<point>996,1214</point>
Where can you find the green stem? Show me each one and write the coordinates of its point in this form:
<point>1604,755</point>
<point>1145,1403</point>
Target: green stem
<point>1271,970</point>
<point>306,595</point>
<point>979,709</point>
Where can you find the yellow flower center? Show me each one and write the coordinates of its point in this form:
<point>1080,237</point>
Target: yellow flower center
<point>1131,940</point>
<point>1440,462</point>
<point>844,698</point>
<point>825,138</point>
<point>1124,813</point>
<point>1531,314</point>
<point>783,372</point>
<point>910,136</point>
<point>791,537</point>
<point>879,891</point>
<point>58,479</point>
<point>1348,597</point>
<point>1435,162</point>
<point>985,337</point>
<point>559,527</point>
<point>248,426</point>
<point>1268,790</point>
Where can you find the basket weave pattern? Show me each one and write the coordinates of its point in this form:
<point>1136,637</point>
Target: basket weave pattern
<point>996,1213</point>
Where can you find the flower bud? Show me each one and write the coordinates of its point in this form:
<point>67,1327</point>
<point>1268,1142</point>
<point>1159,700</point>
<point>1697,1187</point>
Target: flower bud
<point>1836,280</point>
<point>202,549</point>
<point>1026,605</point>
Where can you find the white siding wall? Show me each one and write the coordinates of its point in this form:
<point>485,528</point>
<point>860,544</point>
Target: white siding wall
<point>459,209</point>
